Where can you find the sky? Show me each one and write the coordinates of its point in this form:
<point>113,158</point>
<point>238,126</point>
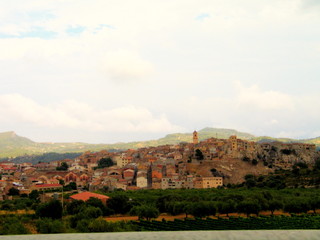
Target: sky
<point>105,71</point>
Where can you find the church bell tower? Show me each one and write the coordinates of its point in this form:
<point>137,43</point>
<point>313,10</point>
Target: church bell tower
<point>195,137</point>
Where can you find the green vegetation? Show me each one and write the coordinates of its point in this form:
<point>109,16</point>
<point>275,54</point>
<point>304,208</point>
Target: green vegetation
<point>13,192</point>
<point>64,167</point>
<point>300,176</point>
<point>145,212</point>
<point>10,225</point>
<point>52,209</point>
<point>80,216</point>
<point>199,154</point>
<point>105,162</point>
<point>48,225</point>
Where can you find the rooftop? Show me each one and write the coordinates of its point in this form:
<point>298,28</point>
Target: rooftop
<point>85,196</point>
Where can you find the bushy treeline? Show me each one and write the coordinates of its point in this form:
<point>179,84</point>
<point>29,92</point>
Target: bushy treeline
<point>80,216</point>
<point>148,204</point>
<point>51,217</point>
<point>14,224</point>
<point>207,202</point>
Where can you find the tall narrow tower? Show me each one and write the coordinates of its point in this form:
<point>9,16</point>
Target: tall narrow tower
<point>195,137</point>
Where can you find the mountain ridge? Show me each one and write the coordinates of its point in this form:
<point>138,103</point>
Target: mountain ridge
<point>13,145</point>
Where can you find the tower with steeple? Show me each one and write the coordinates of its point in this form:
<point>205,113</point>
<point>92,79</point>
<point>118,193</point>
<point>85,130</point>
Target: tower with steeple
<point>195,137</point>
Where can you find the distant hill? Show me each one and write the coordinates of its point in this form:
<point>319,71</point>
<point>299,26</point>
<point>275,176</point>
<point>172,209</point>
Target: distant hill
<point>45,157</point>
<point>222,133</point>
<point>12,145</point>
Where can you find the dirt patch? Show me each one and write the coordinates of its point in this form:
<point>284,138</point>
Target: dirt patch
<point>18,212</point>
<point>183,216</point>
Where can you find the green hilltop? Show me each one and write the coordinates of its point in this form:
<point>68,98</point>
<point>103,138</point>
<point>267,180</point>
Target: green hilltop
<point>12,145</point>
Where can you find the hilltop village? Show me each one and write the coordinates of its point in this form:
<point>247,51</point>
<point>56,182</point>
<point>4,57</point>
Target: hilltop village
<point>211,163</point>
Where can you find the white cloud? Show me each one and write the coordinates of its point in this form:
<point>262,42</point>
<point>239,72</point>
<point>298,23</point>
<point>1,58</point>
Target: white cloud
<point>254,110</point>
<point>126,66</point>
<point>267,46</point>
<point>81,116</point>
<point>264,100</point>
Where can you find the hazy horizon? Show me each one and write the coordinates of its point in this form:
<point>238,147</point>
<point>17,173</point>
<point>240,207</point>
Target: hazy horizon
<point>107,71</point>
<point>115,142</point>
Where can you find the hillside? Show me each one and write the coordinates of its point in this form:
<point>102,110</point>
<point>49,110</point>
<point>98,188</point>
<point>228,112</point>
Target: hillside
<point>12,145</point>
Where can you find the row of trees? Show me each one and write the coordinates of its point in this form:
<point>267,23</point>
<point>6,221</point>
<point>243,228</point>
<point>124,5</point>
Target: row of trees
<point>148,204</point>
<point>201,203</point>
<point>187,201</point>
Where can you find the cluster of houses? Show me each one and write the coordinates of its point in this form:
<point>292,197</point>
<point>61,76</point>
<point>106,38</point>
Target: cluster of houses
<point>162,167</point>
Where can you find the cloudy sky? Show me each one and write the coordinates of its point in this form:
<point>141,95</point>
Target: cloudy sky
<point>124,70</point>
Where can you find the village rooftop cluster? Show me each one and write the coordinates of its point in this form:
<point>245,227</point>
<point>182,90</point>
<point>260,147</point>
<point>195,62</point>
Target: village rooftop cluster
<point>162,167</point>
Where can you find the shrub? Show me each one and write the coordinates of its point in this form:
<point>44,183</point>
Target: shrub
<point>101,225</point>
<point>254,162</point>
<point>48,225</point>
<point>82,225</point>
<point>52,209</point>
<point>12,225</point>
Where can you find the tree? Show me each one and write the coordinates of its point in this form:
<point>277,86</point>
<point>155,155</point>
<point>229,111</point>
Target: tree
<point>245,159</point>
<point>95,202</point>
<point>75,206</point>
<point>187,208</point>
<point>34,195</point>
<point>145,212</point>
<point>213,171</point>
<point>48,225</point>
<point>63,167</point>
<point>119,204</point>
<point>202,209</point>
<point>317,164</point>
<point>297,206</point>
<point>82,225</point>
<point>199,154</point>
<point>301,165</point>
<point>70,186</point>
<point>12,225</point>
<point>100,225</point>
<point>314,203</point>
<point>105,162</point>
<point>52,209</point>
<point>13,192</point>
<point>226,207</point>
<point>86,214</point>
<point>254,162</point>
<point>249,207</point>
<point>250,181</point>
<point>92,212</point>
<point>212,209</point>
<point>163,202</point>
<point>275,205</point>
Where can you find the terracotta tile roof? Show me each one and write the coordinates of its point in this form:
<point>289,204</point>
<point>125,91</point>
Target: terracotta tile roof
<point>84,196</point>
<point>9,168</point>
